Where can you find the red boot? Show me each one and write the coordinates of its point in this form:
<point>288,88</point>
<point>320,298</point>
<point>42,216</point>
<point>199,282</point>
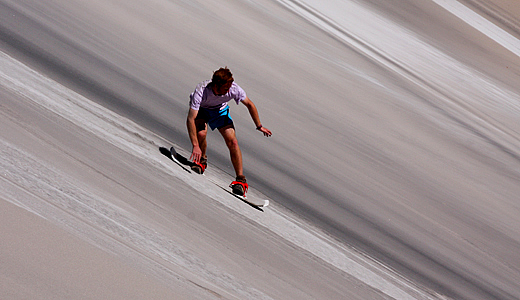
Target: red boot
<point>239,186</point>
<point>200,167</point>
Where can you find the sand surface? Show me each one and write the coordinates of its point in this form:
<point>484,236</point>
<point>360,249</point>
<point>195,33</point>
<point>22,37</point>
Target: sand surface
<point>393,170</point>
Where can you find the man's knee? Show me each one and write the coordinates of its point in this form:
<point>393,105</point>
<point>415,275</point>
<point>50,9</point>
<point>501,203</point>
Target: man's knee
<point>202,130</point>
<point>201,134</point>
<point>232,143</point>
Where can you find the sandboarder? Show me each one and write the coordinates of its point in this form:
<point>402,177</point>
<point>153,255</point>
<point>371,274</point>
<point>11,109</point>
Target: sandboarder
<point>208,105</point>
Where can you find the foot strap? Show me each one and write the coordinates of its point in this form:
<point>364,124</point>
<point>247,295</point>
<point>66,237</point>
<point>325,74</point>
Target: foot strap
<point>244,185</point>
<point>200,165</point>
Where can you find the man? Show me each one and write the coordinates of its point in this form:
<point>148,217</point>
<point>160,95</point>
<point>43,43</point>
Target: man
<point>208,105</point>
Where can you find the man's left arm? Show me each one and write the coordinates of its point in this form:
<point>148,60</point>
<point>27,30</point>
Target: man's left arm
<point>256,118</point>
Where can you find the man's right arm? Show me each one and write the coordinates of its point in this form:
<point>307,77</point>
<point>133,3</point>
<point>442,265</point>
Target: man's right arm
<point>196,153</point>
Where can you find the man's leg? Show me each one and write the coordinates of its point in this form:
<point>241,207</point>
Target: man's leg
<point>228,133</point>
<point>202,131</point>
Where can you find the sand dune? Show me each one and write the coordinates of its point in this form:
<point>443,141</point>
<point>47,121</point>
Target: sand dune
<point>393,169</point>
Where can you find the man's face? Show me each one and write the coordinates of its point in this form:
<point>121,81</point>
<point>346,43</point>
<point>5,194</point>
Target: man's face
<point>219,91</point>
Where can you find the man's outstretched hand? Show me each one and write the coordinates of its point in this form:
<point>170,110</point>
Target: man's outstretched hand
<point>265,131</point>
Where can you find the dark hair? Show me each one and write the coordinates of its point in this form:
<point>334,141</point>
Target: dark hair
<point>222,76</point>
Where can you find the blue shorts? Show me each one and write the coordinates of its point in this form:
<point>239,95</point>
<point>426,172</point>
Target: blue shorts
<point>215,118</point>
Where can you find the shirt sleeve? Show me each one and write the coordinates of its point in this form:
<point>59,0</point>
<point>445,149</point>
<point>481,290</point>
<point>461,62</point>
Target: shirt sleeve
<point>238,93</point>
<point>196,97</point>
